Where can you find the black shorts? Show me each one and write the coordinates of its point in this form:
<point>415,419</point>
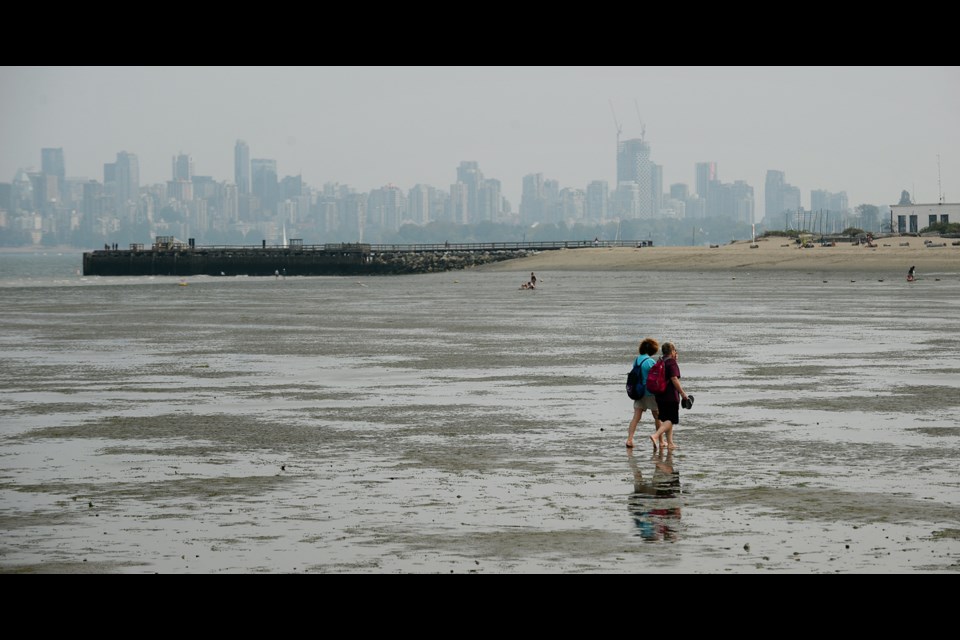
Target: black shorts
<point>669,411</point>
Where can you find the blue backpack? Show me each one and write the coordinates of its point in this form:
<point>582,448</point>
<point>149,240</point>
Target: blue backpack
<point>636,385</point>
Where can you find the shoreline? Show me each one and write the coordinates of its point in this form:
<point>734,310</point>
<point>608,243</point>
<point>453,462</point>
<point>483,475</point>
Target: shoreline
<point>894,256</point>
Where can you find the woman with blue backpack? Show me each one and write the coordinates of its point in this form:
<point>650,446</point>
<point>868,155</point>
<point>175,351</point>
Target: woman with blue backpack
<point>648,347</point>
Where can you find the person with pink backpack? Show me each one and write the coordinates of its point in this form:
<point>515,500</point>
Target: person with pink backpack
<point>663,380</point>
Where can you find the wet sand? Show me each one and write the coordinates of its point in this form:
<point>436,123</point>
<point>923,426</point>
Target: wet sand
<point>770,254</point>
<point>450,423</point>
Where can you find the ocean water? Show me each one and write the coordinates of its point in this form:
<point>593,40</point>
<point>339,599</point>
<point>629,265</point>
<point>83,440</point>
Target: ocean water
<point>451,422</point>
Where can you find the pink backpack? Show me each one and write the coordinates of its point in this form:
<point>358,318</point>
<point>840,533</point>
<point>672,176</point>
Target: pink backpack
<point>656,378</point>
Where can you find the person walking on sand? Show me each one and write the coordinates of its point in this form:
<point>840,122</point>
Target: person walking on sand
<point>668,402</point>
<point>533,279</point>
<point>648,347</point>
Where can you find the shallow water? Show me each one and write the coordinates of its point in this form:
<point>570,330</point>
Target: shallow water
<point>453,423</point>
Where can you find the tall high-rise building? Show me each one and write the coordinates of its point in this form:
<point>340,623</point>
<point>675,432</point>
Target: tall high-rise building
<point>126,188</point>
<point>459,202</point>
<point>385,208</point>
<point>821,200</point>
<point>52,167</point>
<point>635,175</point>
<point>706,173</point>
<point>741,202</point>
<point>532,199</point>
<point>656,188</point>
<point>709,189</point>
<point>263,182</point>
<point>488,200</point>
<point>418,204</point>
<point>773,196</point>
<point>470,175</point>
<point>182,167</point>
<point>572,204</point>
<point>241,167</point>
<point>52,164</point>
<point>779,198</point>
<point>597,202</point>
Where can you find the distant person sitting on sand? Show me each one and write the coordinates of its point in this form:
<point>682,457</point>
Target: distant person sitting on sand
<point>910,276</point>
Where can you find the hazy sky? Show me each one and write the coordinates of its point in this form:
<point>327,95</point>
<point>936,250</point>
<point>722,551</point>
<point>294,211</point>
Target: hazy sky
<point>869,131</point>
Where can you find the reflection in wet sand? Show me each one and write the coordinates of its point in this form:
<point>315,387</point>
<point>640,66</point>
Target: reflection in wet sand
<point>657,498</point>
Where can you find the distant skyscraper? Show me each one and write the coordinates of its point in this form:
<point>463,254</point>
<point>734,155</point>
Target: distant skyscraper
<point>834,207</point>
<point>635,168</point>
<point>741,205</point>
<point>532,199</point>
<point>459,202</point>
<point>488,200</point>
<point>773,197</point>
<point>470,175</point>
<point>182,167</point>
<point>706,173</point>
<point>241,167</point>
<point>595,207</point>
<point>53,180</point>
<point>126,183</point>
<point>656,188</point>
<point>51,163</point>
<point>385,208</point>
<point>263,182</point>
<point>418,204</point>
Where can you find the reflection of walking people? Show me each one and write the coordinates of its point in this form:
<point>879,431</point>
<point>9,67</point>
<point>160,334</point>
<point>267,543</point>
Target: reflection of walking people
<point>655,502</point>
<point>648,347</point>
<point>668,402</point>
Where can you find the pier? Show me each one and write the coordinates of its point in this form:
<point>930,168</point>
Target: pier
<point>168,257</point>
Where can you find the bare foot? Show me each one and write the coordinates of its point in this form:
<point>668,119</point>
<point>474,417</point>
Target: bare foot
<point>630,444</point>
<point>654,441</point>
<point>672,447</point>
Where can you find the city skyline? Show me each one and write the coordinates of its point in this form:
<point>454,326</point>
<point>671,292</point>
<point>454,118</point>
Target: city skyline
<point>868,131</point>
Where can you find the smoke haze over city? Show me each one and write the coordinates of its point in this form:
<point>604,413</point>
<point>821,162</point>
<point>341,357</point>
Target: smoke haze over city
<point>868,131</point>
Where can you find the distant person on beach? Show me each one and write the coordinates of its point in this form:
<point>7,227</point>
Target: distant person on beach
<point>533,279</point>
<point>648,348</point>
<point>910,276</point>
<point>668,402</point>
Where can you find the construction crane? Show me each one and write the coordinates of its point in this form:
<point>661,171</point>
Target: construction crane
<point>616,124</point>
<point>643,127</point>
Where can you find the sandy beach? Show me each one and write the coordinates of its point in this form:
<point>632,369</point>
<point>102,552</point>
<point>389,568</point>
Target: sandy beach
<point>450,423</point>
<point>893,256</point>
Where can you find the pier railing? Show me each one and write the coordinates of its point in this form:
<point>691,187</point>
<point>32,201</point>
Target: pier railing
<point>397,247</point>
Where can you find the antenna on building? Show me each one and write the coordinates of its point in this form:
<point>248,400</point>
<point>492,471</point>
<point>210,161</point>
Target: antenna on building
<point>939,188</point>
<point>643,127</point>
<point>616,124</point>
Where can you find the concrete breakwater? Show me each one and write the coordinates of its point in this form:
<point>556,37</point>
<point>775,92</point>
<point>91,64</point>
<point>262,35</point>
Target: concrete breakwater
<point>346,259</point>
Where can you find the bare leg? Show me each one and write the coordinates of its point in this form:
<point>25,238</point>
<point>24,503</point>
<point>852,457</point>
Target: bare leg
<point>656,425</point>
<point>637,414</point>
<point>665,427</point>
<point>670,444</point>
